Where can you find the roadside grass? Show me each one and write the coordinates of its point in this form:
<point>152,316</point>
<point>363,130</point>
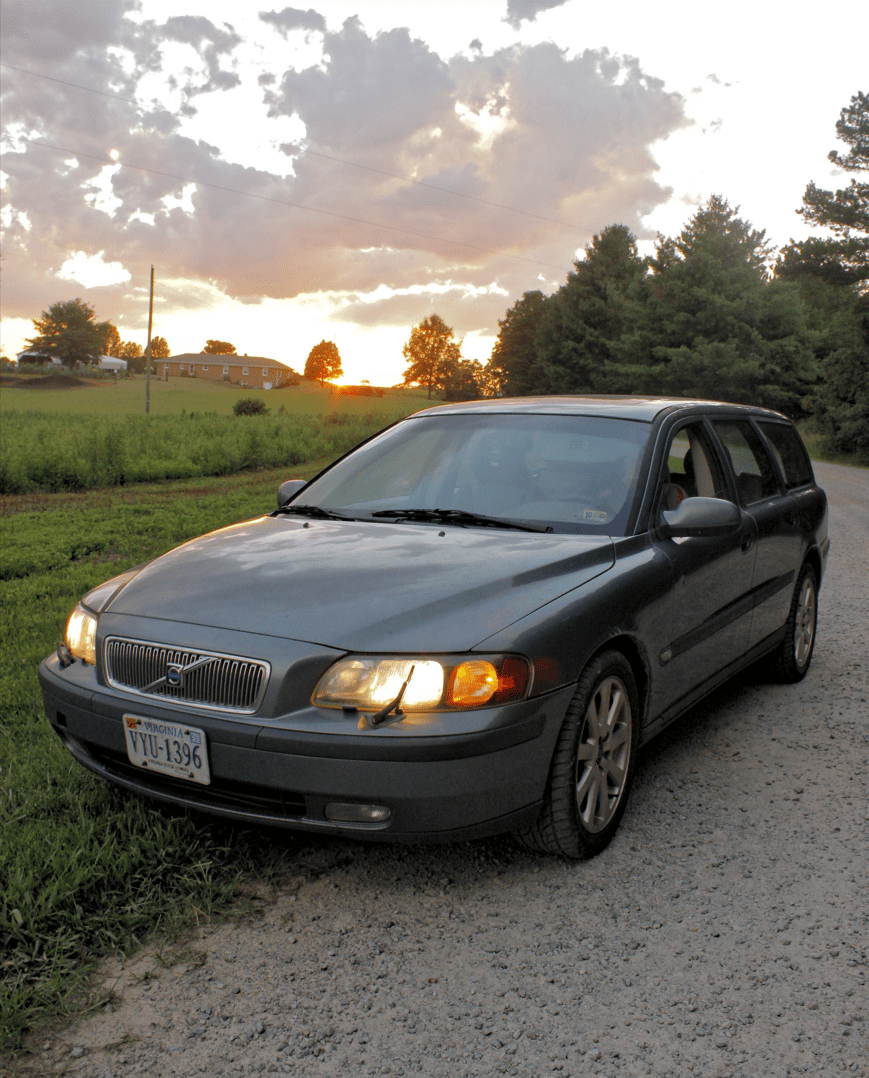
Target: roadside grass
<point>127,397</point>
<point>97,435</point>
<point>40,451</point>
<point>86,870</point>
<point>820,449</point>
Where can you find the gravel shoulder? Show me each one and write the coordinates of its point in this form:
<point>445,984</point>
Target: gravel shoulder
<point>724,932</point>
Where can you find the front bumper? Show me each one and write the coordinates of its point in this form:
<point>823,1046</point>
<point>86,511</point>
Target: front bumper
<point>484,772</point>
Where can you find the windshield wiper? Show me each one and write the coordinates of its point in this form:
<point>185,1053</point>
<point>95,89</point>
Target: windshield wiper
<point>461,517</point>
<point>311,511</point>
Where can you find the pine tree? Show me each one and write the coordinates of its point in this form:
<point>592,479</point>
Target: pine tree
<point>581,323</point>
<point>714,325</point>
<point>512,367</point>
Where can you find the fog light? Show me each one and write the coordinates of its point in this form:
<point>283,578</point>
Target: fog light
<point>350,813</point>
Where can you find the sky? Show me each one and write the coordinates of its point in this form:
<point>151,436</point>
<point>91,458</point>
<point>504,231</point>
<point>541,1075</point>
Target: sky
<point>344,170</point>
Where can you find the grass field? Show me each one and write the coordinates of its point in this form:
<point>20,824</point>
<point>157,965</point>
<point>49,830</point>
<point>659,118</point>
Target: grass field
<point>127,397</point>
<point>88,436</point>
<point>86,870</point>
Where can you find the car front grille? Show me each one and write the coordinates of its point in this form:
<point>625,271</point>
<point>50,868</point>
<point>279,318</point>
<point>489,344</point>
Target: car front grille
<point>198,678</point>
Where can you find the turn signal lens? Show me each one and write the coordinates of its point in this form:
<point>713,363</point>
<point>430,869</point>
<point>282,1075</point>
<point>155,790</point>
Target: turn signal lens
<point>472,683</point>
<point>371,682</point>
<point>81,635</point>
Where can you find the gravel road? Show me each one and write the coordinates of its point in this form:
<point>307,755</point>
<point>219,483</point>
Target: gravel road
<point>723,933</point>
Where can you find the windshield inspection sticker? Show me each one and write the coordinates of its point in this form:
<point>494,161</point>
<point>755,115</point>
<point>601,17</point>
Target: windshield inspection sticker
<point>596,516</point>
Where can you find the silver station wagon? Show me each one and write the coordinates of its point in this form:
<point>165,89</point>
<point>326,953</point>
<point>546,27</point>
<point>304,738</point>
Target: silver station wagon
<point>467,625</point>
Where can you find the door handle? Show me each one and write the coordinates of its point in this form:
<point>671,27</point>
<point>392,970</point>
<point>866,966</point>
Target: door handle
<point>747,543</point>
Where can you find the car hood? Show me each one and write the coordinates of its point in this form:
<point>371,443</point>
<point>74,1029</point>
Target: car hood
<point>363,586</point>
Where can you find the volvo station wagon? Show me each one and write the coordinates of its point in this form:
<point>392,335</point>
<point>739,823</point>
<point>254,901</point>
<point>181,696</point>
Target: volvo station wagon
<point>467,625</point>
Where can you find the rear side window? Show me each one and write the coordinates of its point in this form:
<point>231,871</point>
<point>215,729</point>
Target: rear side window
<point>755,475</point>
<point>790,453</point>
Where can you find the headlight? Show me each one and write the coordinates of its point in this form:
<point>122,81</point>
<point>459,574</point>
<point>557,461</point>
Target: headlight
<point>371,682</point>
<point>81,635</point>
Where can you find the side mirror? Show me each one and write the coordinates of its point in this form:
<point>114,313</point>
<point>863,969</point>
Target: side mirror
<point>700,517</point>
<point>287,491</point>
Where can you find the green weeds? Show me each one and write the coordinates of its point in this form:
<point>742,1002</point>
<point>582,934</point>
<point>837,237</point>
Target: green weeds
<point>85,870</point>
<point>40,451</point>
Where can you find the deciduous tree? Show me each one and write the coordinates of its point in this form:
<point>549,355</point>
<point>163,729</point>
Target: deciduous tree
<point>432,352</point>
<point>462,380</point>
<point>159,348</point>
<point>111,339</point>
<point>68,331</point>
<point>324,362</point>
<point>219,348</point>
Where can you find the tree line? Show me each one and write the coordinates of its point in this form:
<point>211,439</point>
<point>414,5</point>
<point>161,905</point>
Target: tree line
<point>69,332</point>
<point>711,314</point>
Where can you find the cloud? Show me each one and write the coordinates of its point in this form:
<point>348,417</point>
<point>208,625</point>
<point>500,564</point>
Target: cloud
<point>527,10</point>
<point>566,138</point>
<point>293,18</point>
<point>210,42</point>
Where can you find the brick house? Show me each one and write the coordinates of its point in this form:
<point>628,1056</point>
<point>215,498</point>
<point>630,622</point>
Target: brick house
<point>254,371</point>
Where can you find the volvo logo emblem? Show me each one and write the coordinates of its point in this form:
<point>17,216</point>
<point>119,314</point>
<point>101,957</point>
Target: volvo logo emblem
<point>174,676</point>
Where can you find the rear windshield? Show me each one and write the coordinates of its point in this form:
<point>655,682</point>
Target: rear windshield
<point>790,453</point>
<point>573,473</point>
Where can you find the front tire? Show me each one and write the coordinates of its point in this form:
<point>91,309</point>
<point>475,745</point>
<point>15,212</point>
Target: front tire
<point>593,763</point>
<point>791,661</point>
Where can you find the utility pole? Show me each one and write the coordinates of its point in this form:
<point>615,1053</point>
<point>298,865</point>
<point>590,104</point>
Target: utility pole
<point>148,349</point>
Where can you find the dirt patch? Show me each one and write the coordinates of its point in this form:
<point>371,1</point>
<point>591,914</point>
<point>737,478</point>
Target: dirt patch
<point>45,381</point>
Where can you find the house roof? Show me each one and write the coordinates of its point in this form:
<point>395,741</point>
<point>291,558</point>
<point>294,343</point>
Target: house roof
<point>232,359</point>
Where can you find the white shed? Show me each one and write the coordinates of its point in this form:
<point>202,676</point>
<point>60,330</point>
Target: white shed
<point>110,363</point>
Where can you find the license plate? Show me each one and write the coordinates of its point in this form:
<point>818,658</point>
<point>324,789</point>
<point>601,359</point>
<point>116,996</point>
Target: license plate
<point>167,747</point>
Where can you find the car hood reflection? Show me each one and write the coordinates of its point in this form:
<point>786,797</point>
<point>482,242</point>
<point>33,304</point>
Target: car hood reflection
<point>362,586</point>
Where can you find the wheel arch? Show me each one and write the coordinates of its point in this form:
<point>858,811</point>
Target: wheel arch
<point>636,657</point>
<point>813,558</point>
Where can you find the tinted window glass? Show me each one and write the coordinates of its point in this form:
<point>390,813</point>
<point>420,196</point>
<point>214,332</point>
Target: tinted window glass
<point>789,452</point>
<point>755,476</point>
<point>691,470</point>
<point>575,473</point>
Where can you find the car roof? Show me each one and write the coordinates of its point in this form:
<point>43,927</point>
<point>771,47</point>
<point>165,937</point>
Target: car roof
<point>644,409</point>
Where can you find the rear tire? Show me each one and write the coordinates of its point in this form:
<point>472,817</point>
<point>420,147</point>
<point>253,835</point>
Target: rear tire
<point>593,763</point>
<point>790,662</point>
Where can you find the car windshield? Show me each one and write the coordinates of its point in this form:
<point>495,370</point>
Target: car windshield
<point>570,473</point>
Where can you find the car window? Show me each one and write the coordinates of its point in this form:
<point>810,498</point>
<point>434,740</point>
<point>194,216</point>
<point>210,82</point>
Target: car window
<point>789,451</point>
<point>575,473</point>
<point>755,475</point>
<point>690,468</point>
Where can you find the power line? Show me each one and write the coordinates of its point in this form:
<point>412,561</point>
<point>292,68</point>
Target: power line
<point>446,190</point>
<point>286,202</point>
<point>343,161</point>
<point>75,85</point>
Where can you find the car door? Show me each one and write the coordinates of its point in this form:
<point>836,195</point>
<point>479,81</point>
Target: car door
<point>711,600</point>
<point>779,536</point>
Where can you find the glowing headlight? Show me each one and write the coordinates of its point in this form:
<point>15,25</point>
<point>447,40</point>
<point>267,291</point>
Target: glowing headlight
<point>369,683</point>
<point>81,635</point>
